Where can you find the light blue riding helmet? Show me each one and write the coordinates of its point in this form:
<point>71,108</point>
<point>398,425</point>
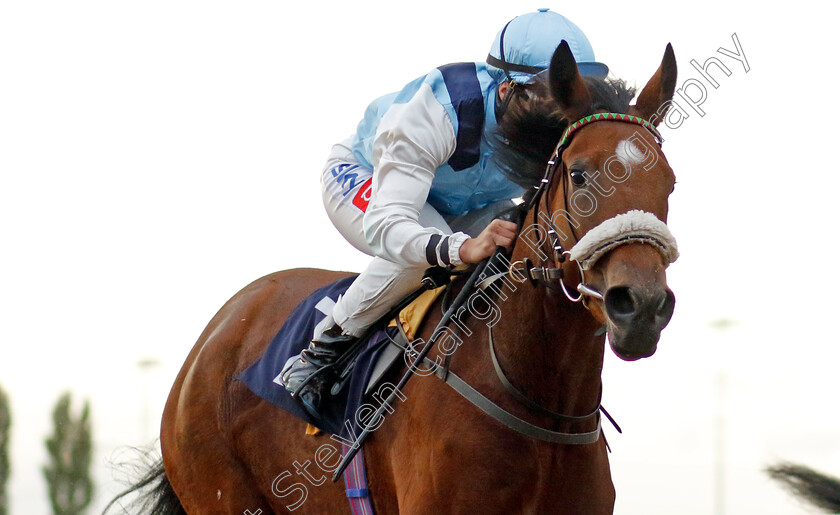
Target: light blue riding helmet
<point>530,40</point>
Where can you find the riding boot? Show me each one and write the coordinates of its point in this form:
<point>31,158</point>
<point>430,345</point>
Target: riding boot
<point>324,350</point>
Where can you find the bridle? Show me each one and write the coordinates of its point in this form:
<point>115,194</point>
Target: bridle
<point>551,276</point>
<point>657,234</point>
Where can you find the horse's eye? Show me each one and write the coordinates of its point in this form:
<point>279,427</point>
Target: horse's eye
<point>578,177</point>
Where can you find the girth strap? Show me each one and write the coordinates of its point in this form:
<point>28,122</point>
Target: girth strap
<point>355,484</point>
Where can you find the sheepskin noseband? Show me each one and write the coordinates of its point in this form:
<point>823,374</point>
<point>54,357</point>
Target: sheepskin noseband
<point>631,227</point>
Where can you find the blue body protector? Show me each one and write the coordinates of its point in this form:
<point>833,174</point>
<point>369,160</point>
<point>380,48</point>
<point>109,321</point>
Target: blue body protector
<point>470,179</point>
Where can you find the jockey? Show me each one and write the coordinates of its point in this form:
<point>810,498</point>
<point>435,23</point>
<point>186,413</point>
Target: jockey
<point>416,186</point>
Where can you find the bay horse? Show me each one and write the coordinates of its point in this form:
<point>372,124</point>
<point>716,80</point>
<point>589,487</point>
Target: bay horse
<point>225,450</point>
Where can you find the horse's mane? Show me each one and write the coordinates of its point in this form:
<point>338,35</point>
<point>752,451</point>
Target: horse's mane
<point>531,125</point>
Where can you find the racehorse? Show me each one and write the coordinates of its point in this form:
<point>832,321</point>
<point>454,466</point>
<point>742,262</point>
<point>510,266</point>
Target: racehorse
<point>225,450</point>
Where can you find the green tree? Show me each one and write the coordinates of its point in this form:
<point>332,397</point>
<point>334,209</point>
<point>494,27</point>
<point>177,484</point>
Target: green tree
<point>5,424</point>
<point>68,473</point>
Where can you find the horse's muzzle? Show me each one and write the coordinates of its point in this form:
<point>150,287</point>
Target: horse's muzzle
<point>636,317</point>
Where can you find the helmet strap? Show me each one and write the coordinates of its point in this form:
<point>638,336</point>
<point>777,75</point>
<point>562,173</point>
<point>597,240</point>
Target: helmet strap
<point>502,52</point>
<point>506,66</point>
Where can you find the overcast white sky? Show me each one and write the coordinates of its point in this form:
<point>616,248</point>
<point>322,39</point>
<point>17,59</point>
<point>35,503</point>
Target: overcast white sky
<point>157,156</point>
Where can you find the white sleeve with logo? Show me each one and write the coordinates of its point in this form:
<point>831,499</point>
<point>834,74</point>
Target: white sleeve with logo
<point>411,141</point>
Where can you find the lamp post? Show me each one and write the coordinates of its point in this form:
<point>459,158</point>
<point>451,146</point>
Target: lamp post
<point>722,325</point>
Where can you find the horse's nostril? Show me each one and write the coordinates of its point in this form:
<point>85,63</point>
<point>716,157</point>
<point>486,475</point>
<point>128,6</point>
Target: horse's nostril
<point>666,307</point>
<point>619,302</point>
<point>626,306</point>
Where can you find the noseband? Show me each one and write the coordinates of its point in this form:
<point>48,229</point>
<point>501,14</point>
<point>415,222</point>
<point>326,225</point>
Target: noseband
<point>631,227</point>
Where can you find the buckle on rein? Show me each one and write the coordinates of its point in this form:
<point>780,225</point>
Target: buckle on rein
<point>524,270</point>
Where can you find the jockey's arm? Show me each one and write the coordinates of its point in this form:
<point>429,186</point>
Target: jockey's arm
<point>413,139</point>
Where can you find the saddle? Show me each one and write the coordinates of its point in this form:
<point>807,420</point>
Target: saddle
<point>362,366</point>
<point>359,371</point>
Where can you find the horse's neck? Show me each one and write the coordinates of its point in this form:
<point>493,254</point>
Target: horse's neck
<point>547,347</point>
<point>546,344</point>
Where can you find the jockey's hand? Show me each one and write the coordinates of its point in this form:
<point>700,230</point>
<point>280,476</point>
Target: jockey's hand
<point>498,234</point>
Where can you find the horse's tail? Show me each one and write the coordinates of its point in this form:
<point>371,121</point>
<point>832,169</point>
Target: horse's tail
<point>818,489</point>
<point>155,495</point>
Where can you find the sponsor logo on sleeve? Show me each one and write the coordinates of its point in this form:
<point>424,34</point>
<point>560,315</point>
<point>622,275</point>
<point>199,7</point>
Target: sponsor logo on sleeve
<point>362,198</point>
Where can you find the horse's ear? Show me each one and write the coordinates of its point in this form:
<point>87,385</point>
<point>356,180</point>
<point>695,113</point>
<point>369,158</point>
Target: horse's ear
<point>658,90</point>
<point>566,85</point>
